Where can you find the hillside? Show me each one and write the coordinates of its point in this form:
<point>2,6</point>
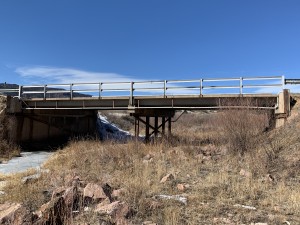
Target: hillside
<point>213,171</point>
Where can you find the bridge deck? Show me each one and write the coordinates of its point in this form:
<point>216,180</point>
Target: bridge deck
<point>170,102</point>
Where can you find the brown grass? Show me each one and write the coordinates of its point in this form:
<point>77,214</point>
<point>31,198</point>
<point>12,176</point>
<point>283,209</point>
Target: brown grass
<point>208,163</point>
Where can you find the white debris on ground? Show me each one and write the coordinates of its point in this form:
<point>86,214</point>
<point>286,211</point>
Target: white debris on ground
<point>110,131</point>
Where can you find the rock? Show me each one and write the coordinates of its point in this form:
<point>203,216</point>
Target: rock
<point>117,211</point>
<point>71,198</point>
<point>30,178</point>
<point>181,187</point>
<point>166,178</point>
<point>53,212</point>
<point>13,214</point>
<point>270,178</point>
<point>94,192</point>
<point>223,220</point>
<point>148,223</point>
<point>108,209</point>
<point>148,157</point>
<point>58,192</point>
<point>107,189</point>
<point>117,193</point>
<point>245,173</point>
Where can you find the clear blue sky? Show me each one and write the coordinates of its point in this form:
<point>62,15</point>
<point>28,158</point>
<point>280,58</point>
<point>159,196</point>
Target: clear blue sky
<point>93,40</point>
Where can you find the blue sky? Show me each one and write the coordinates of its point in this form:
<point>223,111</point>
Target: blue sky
<point>59,41</point>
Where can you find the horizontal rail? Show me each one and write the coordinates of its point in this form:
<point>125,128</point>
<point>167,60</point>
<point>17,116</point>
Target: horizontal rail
<point>292,81</point>
<point>165,88</point>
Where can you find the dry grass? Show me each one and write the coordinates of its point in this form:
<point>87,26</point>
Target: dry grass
<point>208,163</point>
<point>8,148</point>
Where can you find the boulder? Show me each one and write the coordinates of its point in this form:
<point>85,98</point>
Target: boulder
<point>53,212</point>
<point>93,193</point>
<point>14,214</point>
<point>117,212</point>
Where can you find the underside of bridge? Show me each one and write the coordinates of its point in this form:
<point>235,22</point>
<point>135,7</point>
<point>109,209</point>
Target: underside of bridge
<point>53,126</point>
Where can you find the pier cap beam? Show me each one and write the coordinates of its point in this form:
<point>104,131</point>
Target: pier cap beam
<point>153,112</point>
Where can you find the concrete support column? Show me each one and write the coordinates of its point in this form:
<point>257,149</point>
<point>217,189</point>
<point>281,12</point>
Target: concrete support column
<point>283,110</point>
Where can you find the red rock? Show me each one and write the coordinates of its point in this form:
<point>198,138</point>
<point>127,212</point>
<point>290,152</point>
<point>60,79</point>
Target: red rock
<point>94,191</point>
<point>58,192</point>
<point>166,178</point>
<point>117,211</point>
<point>53,212</point>
<point>12,213</point>
<point>181,187</point>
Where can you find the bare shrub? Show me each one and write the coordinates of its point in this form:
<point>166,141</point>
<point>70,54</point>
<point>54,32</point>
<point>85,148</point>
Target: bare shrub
<point>8,148</point>
<point>240,128</point>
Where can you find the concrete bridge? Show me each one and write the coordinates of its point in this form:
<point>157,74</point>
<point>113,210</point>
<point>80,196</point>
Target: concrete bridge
<point>54,110</point>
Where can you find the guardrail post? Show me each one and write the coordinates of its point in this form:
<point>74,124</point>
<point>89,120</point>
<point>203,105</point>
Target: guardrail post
<point>20,91</point>
<point>71,91</point>
<point>100,89</point>
<point>45,91</point>
<point>201,86</point>
<point>241,85</point>
<point>165,88</point>
<point>131,94</point>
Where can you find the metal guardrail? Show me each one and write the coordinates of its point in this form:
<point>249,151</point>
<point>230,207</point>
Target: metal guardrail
<point>292,81</point>
<point>163,88</point>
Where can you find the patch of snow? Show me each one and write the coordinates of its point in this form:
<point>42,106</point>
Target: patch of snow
<point>179,198</point>
<point>110,131</point>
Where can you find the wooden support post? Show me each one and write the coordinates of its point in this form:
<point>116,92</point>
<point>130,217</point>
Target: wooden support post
<point>137,126</point>
<point>147,128</point>
<point>155,126</point>
<point>170,126</point>
<point>163,125</point>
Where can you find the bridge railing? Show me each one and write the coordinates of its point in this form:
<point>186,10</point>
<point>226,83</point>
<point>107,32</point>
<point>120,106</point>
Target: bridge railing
<point>163,88</point>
